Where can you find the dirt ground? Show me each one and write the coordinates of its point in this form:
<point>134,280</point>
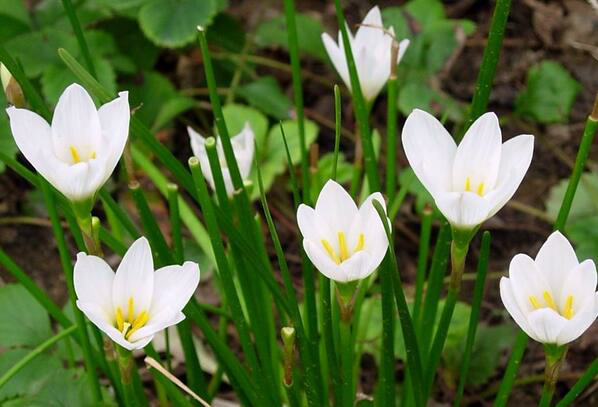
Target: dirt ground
<point>565,31</point>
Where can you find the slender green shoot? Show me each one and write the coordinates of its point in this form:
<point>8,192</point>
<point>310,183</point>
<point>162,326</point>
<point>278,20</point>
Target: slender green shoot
<point>391,124</point>
<point>175,221</point>
<point>422,260</point>
<point>387,363</point>
<point>476,303</point>
<point>47,344</point>
<point>337,128</point>
<point>72,16</point>
<point>579,386</point>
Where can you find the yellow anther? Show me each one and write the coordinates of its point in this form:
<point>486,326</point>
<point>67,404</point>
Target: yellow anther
<point>360,243</point>
<point>330,251</point>
<point>549,301</point>
<point>131,315</point>
<point>120,321</point>
<point>140,321</point>
<point>480,191</point>
<point>568,311</point>
<point>75,154</point>
<point>467,185</point>
<point>93,155</point>
<point>125,329</point>
<point>534,301</point>
<point>342,244</point>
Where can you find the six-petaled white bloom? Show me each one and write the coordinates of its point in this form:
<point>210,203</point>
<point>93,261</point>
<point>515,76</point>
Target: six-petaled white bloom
<point>134,303</point>
<point>473,181</point>
<point>79,151</point>
<point>371,48</point>
<point>243,148</point>
<point>553,297</point>
<point>344,242</point>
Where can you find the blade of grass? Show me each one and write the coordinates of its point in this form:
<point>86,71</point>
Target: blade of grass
<point>387,361</point>
<point>72,16</point>
<point>590,129</point>
<point>337,128</point>
<point>361,110</point>
<point>391,124</point>
<point>411,346</point>
<point>580,385</point>
<point>422,259</point>
<point>476,302</point>
<point>289,8</point>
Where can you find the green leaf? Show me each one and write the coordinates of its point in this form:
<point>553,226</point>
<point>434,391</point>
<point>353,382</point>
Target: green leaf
<point>549,94</point>
<point>425,12</point>
<point>31,378</point>
<point>226,32</point>
<point>23,322</point>
<point>170,110</point>
<point>236,116</point>
<point>57,77</point>
<point>50,13</point>
<point>418,95</point>
<point>584,204</point>
<point>395,17</point>
<point>14,19</point>
<point>173,23</point>
<point>309,32</point>
<point>266,95</point>
<point>144,54</point>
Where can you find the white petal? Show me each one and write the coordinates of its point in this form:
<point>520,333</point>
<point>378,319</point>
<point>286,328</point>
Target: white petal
<point>403,45</point>
<point>167,318</point>
<point>371,29</point>
<point>580,283</point>
<point>78,181</point>
<point>114,119</point>
<point>376,242</point>
<point>93,279</point>
<point>76,124</point>
<point>546,324</point>
<point>580,322</point>
<point>142,343</point>
<point>515,159</point>
<point>478,155</point>
<point>99,319</point>
<point>465,210</point>
<point>356,267</point>
<point>508,299</point>
<point>527,281</point>
<point>337,57</point>
<point>32,134</point>
<point>243,147</point>
<point>307,222</point>
<point>321,261</point>
<point>135,278</point>
<point>430,150</point>
<point>336,207</point>
<point>555,260</point>
<point>197,142</point>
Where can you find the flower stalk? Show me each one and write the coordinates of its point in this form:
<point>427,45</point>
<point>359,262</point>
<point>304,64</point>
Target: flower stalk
<point>125,367</point>
<point>555,356</point>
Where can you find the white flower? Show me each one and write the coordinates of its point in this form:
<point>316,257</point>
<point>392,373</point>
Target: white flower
<point>371,49</point>
<point>78,153</point>
<point>343,242</point>
<point>472,182</point>
<point>243,148</point>
<point>136,302</point>
<point>552,298</point>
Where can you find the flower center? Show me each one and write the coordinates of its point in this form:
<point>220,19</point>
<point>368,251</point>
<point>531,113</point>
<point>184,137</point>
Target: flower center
<point>479,190</point>
<point>132,324</point>
<point>343,251</point>
<point>566,312</point>
<point>77,157</point>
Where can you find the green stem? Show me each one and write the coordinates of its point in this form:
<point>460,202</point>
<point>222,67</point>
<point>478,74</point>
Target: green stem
<point>489,61</point>
<point>126,364</point>
<point>346,350</point>
<point>337,128</point>
<point>476,303</point>
<point>16,368</point>
<point>359,102</point>
<point>289,7</point>
<point>414,365</point>
<point>72,16</point>
<point>387,361</point>
<point>68,273</point>
<point>391,133</point>
<point>555,355</point>
<point>422,259</point>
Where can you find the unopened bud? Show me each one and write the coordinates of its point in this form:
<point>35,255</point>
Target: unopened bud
<point>288,340</point>
<point>12,90</point>
<point>288,337</point>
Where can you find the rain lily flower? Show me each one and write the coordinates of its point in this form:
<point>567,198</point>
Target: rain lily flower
<point>134,303</point>
<point>473,181</point>
<point>344,242</point>
<point>371,48</point>
<point>243,148</point>
<point>552,298</point>
<point>79,151</point>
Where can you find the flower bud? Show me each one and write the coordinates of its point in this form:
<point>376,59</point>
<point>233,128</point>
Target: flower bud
<point>12,90</point>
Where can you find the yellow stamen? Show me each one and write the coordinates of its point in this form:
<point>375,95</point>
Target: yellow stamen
<point>120,321</point>
<point>467,185</point>
<point>360,243</point>
<point>534,301</point>
<point>568,311</point>
<point>343,246</point>
<point>481,189</point>
<point>131,311</point>
<point>140,321</point>
<point>125,329</point>
<point>75,154</point>
<point>330,251</point>
<point>549,301</point>
<point>93,155</point>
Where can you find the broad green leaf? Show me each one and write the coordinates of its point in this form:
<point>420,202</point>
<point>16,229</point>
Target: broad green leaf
<point>50,13</point>
<point>226,32</point>
<point>309,32</point>
<point>236,116</point>
<point>16,10</point>
<point>585,202</point>
<point>173,23</point>
<point>127,31</point>
<point>266,95</point>
<point>549,94</point>
<point>23,322</point>
<point>31,378</point>
<point>418,95</point>
<point>425,12</point>
<point>584,235</point>
<point>395,17</point>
